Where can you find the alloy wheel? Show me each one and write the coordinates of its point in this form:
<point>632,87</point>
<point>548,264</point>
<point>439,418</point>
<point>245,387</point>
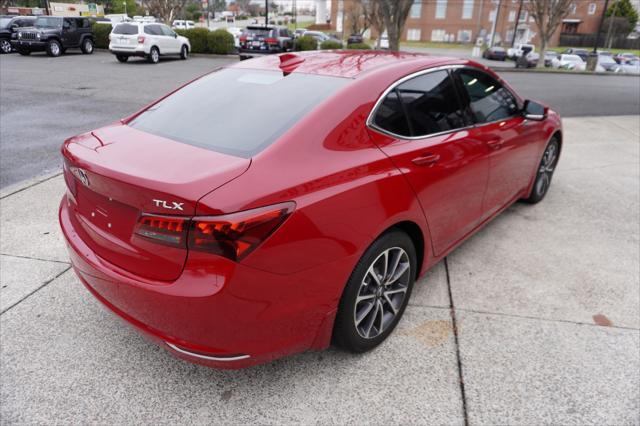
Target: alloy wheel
<point>382,292</point>
<point>55,49</point>
<point>5,46</point>
<point>547,166</point>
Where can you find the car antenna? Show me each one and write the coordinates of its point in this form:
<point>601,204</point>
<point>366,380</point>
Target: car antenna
<point>289,62</point>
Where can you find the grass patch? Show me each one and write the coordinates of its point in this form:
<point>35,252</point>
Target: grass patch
<point>306,24</point>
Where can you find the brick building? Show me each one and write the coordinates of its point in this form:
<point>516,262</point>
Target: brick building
<point>466,20</point>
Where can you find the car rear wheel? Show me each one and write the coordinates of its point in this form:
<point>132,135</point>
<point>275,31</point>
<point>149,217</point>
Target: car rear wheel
<point>154,55</point>
<point>5,46</point>
<point>184,52</point>
<point>87,46</point>
<point>377,293</point>
<point>122,58</point>
<point>545,172</point>
<point>54,48</point>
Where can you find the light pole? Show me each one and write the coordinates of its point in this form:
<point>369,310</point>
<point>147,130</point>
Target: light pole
<point>125,8</point>
<point>515,30</point>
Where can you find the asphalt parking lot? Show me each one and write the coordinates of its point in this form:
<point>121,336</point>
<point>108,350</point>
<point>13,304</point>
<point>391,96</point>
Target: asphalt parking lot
<point>546,301</point>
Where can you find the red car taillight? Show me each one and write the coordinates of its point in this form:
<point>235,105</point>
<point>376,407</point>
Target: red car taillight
<point>140,39</point>
<point>236,235</point>
<point>233,236</point>
<point>271,40</point>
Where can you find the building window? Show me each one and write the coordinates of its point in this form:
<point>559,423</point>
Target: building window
<point>512,16</point>
<point>572,9</point>
<point>464,36</point>
<point>416,9</point>
<point>467,9</point>
<point>413,34</point>
<point>441,9</point>
<point>523,16</point>
<point>509,36</point>
<point>592,8</point>
<point>438,35</point>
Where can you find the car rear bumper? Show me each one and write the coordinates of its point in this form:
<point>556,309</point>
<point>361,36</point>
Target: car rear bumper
<point>32,45</point>
<point>249,52</point>
<point>135,51</point>
<point>217,313</point>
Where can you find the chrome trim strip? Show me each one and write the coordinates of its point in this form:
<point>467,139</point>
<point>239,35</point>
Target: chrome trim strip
<point>210,358</point>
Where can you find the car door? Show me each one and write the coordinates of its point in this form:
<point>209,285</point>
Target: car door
<point>509,137</point>
<point>157,37</point>
<point>70,35</point>
<point>422,126</point>
<point>171,40</point>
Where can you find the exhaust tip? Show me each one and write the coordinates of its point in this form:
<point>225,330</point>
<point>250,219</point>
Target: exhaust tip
<point>223,358</point>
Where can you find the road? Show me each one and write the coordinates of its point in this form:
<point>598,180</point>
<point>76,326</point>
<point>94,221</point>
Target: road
<point>45,100</point>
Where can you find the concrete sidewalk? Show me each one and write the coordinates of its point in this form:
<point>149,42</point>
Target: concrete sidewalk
<point>546,300</point>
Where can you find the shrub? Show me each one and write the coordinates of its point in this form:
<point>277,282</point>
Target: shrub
<point>101,35</point>
<point>305,43</point>
<point>221,42</point>
<point>359,46</point>
<point>331,44</point>
<point>197,38</point>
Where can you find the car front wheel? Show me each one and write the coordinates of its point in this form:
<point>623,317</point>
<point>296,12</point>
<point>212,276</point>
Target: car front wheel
<point>545,172</point>
<point>54,48</point>
<point>377,293</point>
<point>184,52</point>
<point>5,46</point>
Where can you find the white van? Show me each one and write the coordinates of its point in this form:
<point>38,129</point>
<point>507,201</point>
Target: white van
<point>183,25</point>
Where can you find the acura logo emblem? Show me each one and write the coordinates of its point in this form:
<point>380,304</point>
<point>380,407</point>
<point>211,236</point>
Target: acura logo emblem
<point>81,175</point>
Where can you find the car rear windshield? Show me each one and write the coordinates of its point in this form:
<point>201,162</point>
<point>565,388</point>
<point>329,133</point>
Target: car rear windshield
<point>264,32</point>
<point>126,29</point>
<point>237,112</point>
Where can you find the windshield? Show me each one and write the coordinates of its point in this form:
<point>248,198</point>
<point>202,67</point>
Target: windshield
<point>48,22</point>
<point>4,22</point>
<point>237,112</point>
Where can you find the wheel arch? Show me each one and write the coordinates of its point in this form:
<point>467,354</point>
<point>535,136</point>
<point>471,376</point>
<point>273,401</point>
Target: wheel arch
<point>415,233</point>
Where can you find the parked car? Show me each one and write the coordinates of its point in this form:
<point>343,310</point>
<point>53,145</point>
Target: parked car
<point>527,58</point>
<point>569,62</point>
<point>236,32</point>
<point>582,53</point>
<point>383,42</point>
<point>355,39</point>
<point>318,35</point>
<point>55,34</point>
<point>9,25</point>
<point>259,40</point>
<point>183,25</point>
<point>518,49</point>
<point>549,56</point>
<point>182,223</point>
<point>631,67</point>
<point>150,41</point>
<point>623,58</point>
<point>495,53</point>
<point>608,63</point>
<point>299,32</point>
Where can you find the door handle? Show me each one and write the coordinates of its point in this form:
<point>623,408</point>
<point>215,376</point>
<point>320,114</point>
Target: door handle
<point>426,160</point>
<point>495,143</point>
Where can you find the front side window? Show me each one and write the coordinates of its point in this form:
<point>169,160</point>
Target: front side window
<point>226,111</point>
<point>422,106</point>
<point>167,31</point>
<point>488,99</point>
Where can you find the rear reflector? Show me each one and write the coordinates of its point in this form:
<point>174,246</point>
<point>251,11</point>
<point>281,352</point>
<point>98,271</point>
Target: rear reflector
<point>233,236</point>
<point>140,39</point>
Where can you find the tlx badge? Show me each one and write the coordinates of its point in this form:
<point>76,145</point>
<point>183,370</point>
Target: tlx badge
<point>164,204</point>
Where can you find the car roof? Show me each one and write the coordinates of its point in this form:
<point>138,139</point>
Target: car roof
<point>346,63</point>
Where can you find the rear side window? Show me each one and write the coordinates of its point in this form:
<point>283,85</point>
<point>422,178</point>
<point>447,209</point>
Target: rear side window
<point>422,106</point>
<point>153,30</point>
<point>237,112</point>
<point>126,29</point>
<point>489,100</point>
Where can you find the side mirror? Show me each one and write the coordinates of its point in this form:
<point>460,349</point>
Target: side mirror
<point>175,35</point>
<point>534,111</point>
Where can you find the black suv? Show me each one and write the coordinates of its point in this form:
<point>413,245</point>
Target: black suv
<point>8,26</point>
<point>54,35</point>
<point>256,40</point>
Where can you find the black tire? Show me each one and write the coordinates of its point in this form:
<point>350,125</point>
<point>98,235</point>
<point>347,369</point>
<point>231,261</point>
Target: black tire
<point>24,52</point>
<point>87,46</point>
<point>5,46</point>
<point>154,55</point>
<point>184,52</point>
<point>122,58</point>
<point>545,171</point>
<point>54,48</point>
<point>346,332</point>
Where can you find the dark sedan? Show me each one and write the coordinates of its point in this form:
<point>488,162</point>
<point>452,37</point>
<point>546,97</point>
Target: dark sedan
<point>495,53</point>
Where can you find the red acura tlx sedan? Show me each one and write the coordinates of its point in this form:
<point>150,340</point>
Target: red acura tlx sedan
<point>279,204</point>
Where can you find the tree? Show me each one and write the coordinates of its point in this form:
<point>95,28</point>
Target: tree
<point>623,9</point>
<point>394,15</point>
<point>117,6</point>
<point>243,5</point>
<point>547,14</point>
<point>193,12</point>
<point>217,6</point>
<point>165,10</point>
<point>616,26</point>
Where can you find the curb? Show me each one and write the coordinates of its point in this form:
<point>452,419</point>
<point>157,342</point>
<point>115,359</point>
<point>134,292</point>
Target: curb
<point>26,184</point>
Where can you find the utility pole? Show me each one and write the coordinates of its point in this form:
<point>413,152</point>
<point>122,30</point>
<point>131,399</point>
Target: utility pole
<point>606,6</point>
<point>295,15</point>
<point>515,30</point>
<point>495,23</point>
<point>611,19</point>
<point>266,12</point>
